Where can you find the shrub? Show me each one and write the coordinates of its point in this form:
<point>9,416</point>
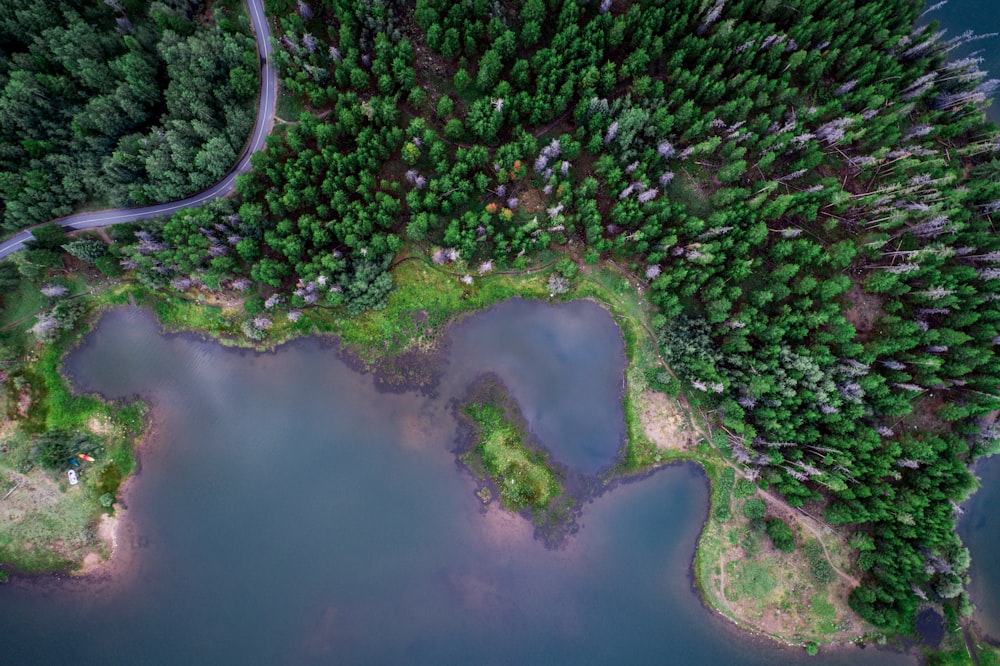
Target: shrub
<point>754,509</point>
<point>558,284</point>
<point>781,535</point>
<point>108,264</point>
<point>567,268</point>
<point>445,107</point>
<point>819,567</point>
<point>723,492</point>
<point>661,380</point>
<point>744,488</point>
<point>454,129</point>
<point>54,448</point>
<point>86,249</point>
<point>253,305</point>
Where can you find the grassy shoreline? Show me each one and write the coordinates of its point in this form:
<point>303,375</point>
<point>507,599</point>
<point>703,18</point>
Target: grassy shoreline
<point>425,302</point>
<point>49,525</point>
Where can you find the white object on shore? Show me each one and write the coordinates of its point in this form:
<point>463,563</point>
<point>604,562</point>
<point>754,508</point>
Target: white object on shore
<point>72,477</point>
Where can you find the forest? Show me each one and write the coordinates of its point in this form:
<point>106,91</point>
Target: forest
<point>117,103</point>
<point>806,189</point>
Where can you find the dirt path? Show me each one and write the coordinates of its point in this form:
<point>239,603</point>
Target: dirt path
<point>806,522</point>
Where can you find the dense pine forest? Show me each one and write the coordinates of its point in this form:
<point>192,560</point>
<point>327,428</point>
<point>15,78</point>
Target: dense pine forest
<point>807,188</point>
<point>118,103</point>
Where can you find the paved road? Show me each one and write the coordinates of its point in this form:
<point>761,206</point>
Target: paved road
<point>265,120</point>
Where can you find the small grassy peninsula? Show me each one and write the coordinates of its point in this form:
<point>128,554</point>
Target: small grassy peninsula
<point>512,468</point>
<point>520,474</point>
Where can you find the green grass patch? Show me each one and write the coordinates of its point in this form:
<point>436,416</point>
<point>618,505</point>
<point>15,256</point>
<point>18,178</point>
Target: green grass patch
<point>722,490</point>
<point>819,566</point>
<point>752,579</point>
<point>289,107</point>
<point>52,534</point>
<point>521,475</point>
<point>744,488</point>
<point>824,613</point>
<point>64,409</point>
<point>179,314</point>
<point>23,302</point>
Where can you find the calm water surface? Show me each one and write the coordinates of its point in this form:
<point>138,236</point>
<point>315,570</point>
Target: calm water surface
<point>980,530</point>
<point>288,513</point>
<point>982,17</point>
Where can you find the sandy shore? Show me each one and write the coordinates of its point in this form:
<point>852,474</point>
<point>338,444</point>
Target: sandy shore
<point>117,533</point>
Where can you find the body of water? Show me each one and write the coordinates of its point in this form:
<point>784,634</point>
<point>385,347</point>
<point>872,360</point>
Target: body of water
<point>979,528</point>
<point>287,512</point>
<point>982,17</point>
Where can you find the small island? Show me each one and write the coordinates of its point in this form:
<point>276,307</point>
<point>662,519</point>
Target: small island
<point>517,472</point>
<point>519,475</point>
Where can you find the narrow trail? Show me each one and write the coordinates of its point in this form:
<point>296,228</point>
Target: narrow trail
<point>89,292</point>
<point>807,522</point>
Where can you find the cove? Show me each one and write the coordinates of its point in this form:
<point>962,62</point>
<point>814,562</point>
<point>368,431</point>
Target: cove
<point>288,512</point>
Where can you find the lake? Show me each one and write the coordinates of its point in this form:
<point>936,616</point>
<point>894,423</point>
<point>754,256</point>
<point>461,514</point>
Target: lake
<point>288,512</point>
<point>980,530</point>
<point>982,17</point>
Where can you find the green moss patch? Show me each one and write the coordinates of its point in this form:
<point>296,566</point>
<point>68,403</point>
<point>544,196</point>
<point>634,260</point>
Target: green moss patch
<point>513,469</point>
<point>521,475</point>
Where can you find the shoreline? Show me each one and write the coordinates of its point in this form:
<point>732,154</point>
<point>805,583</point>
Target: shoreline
<point>116,531</point>
<point>428,364</point>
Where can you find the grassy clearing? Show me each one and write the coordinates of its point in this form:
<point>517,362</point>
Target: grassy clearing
<point>289,107</point>
<point>45,524</point>
<point>789,596</point>
<point>521,475</point>
<point>26,301</point>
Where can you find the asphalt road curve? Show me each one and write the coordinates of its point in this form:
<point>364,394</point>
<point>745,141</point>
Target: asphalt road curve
<point>265,120</point>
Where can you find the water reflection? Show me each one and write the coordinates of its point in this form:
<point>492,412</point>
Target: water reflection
<point>288,512</point>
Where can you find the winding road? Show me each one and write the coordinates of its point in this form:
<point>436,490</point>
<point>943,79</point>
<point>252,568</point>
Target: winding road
<point>266,106</point>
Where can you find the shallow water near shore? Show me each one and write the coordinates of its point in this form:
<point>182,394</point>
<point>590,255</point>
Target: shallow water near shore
<point>287,512</point>
<point>979,528</point>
